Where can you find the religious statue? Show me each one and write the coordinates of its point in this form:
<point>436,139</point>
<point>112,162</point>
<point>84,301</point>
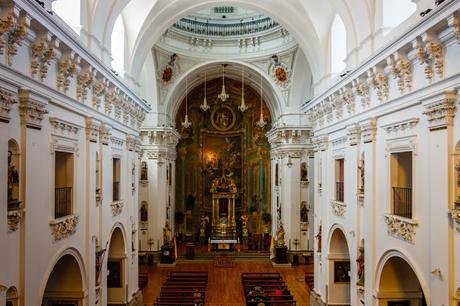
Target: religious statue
<point>303,212</point>
<point>360,263</point>
<point>303,172</point>
<point>167,236</point>
<point>144,175</point>
<point>203,223</point>
<point>318,237</point>
<point>144,213</point>
<point>361,175</point>
<point>280,235</point>
<point>13,178</point>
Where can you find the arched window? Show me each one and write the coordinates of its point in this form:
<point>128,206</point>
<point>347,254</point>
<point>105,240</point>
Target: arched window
<point>338,45</point>
<point>69,12</point>
<point>396,11</point>
<point>118,46</point>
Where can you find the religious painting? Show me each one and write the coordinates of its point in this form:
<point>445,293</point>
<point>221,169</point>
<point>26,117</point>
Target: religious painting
<point>280,74</point>
<point>114,276</point>
<point>167,73</point>
<point>341,271</point>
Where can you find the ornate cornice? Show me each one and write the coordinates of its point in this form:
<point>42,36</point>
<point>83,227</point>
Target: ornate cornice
<point>64,128</point>
<point>43,51</point>
<point>117,142</point>
<point>440,110</point>
<point>32,109</point>
<point>369,130</point>
<point>64,227</point>
<point>85,81</point>
<point>401,227</point>
<point>288,136</point>
<point>161,137</point>
<point>401,127</point>
<point>7,99</point>
<point>67,67</point>
<point>117,207</point>
<point>92,129</point>
<point>379,82</point>
<point>401,70</point>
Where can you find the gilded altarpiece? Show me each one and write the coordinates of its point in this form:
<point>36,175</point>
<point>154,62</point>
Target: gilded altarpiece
<point>223,142</point>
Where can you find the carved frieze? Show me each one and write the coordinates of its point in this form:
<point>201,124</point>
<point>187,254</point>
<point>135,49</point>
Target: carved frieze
<point>43,51</point>
<point>64,128</point>
<point>7,99</point>
<point>32,109</point>
<point>369,130</point>
<point>92,129</point>
<point>338,208</point>
<point>117,142</point>
<point>14,219</point>
<point>66,69</point>
<point>65,227</point>
<point>440,110</point>
<point>401,227</point>
<point>401,128</point>
<point>117,207</point>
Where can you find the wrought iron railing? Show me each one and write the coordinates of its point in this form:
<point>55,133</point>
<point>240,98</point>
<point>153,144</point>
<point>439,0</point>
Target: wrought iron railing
<point>116,191</point>
<point>402,202</point>
<point>339,191</point>
<point>62,202</point>
<point>222,29</point>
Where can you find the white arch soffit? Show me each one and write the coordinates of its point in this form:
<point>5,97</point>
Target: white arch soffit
<point>173,105</point>
<point>166,12</point>
<point>72,251</point>
<point>334,227</point>
<point>123,232</point>
<point>409,260</point>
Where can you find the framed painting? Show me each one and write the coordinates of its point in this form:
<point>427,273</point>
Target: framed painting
<point>342,271</point>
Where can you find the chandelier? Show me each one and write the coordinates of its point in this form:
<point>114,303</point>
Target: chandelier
<point>186,123</point>
<point>205,105</point>
<point>223,96</point>
<point>243,107</point>
<point>261,123</point>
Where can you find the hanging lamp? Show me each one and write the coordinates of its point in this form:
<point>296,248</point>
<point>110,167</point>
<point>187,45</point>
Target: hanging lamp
<point>205,105</point>
<point>223,96</point>
<point>261,123</point>
<point>243,107</point>
<point>186,123</point>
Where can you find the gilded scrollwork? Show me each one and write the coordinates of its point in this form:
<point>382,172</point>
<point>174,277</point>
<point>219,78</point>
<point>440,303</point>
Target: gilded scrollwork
<point>117,208</point>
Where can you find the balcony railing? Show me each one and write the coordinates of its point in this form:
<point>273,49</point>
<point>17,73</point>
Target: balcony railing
<point>221,29</point>
<point>116,191</point>
<point>402,202</point>
<point>339,191</point>
<point>62,202</point>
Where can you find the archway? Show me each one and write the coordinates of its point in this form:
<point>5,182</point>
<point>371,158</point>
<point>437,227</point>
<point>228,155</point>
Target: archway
<point>399,285</point>
<point>116,269</point>
<point>65,283</point>
<point>12,296</point>
<point>339,269</point>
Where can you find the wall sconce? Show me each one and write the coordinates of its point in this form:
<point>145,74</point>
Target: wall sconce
<point>289,161</point>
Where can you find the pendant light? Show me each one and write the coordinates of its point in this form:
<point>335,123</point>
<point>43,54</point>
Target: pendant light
<point>261,123</point>
<point>205,105</point>
<point>186,123</point>
<point>243,107</point>
<point>223,96</point>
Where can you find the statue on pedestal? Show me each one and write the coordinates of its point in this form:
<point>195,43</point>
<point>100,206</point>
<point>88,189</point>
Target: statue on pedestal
<point>280,235</point>
<point>244,225</point>
<point>203,223</point>
<point>167,236</point>
<point>360,263</point>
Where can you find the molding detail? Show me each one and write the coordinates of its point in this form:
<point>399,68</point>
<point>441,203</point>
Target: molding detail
<point>354,134</point>
<point>401,126</point>
<point>401,70</point>
<point>14,219</point>
<point>84,82</point>
<point>99,87</point>
<point>131,142</point>
<point>440,110</point>
<point>13,31</point>
<point>338,208</point>
<point>6,100</point>
<point>65,227</point>
<point>401,227</point>
<point>117,142</point>
<point>31,110</point>
<point>117,207</point>
<point>379,82</point>
<point>369,130</point>
<point>92,129</point>
<point>362,90</point>
<point>431,55</point>
<point>64,128</point>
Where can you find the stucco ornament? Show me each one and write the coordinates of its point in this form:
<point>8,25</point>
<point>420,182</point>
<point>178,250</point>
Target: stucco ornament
<point>399,227</point>
<point>64,227</point>
<point>279,72</point>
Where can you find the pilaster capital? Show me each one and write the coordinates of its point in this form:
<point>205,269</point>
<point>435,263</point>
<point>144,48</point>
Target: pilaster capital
<point>32,108</point>
<point>105,131</point>
<point>440,109</point>
<point>92,129</point>
<point>354,134</point>
<point>369,130</point>
<point>7,98</point>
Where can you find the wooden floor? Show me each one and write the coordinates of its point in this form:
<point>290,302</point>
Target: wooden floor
<point>224,284</point>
